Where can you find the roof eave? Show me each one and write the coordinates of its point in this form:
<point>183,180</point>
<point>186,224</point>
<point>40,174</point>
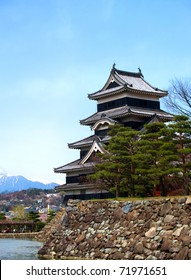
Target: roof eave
<point>69,187</point>
<point>76,168</point>
<point>129,112</point>
<point>79,145</point>
<point>158,93</point>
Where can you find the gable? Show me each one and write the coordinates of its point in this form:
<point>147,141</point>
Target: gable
<point>94,149</point>
<point>112,84</point>
<point>93,157</point>
<point>103,123</point>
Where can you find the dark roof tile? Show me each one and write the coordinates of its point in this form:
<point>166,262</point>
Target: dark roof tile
<point>128,81</point>
<point>123,111</point>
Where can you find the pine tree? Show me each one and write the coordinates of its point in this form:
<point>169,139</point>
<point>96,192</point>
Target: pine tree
<point>116,169</point>
<point>123,147</point>
<point>33,216</point>
<point>107,174</point>
<point>181,128</point>
<point>155,156</point>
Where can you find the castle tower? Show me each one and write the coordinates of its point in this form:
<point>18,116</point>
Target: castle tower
<point>126,98</point>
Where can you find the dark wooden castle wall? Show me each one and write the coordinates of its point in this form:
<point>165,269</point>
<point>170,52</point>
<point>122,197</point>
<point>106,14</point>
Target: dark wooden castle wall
<point>135,102</point>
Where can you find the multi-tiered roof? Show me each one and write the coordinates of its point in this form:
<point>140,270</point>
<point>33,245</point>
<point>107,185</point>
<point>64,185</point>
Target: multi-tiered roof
<point>126,98</point>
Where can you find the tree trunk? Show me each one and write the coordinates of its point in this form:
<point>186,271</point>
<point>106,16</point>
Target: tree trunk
<point>162,187</point>
<point>186,185</point>
<point>117,191</point>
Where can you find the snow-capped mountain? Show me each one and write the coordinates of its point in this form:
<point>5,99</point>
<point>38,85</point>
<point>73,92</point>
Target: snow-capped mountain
<point>18,183</point>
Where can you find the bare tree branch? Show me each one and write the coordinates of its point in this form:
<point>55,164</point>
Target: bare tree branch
<point>179,97</point>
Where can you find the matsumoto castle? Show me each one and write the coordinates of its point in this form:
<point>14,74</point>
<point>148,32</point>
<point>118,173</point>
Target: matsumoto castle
<point>126,98</point>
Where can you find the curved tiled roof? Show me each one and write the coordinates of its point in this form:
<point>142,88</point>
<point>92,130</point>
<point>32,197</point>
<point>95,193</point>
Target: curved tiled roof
<point>74,186</point>
<point>83,142</point>
<point>102,121</point>
<point>87,142</point>
<point>124,111</point>
<point>127,81</point>
<point>74,166</point>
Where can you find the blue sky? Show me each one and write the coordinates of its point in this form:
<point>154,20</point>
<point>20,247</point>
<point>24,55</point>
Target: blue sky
<point>54,52</point>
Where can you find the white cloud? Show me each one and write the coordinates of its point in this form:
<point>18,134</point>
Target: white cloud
<point>2,171</point>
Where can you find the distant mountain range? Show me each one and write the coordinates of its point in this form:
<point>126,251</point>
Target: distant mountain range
<point>19,183</point>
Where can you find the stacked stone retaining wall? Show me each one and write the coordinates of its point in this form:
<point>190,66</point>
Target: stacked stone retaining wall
<point>140,230</point>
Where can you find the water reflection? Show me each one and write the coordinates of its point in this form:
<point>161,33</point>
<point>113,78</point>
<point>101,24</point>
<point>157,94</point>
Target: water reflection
<point>19,249</point>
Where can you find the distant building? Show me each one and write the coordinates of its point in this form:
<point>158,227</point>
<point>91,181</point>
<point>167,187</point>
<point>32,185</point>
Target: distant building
<point>126,98</point>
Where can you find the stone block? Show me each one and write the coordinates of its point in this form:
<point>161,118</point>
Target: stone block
<point>151,232</point>
<point>183,254</point>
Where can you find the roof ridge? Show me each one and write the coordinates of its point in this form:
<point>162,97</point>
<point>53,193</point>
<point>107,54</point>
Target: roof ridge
<point>121,79</point>
<point>155,88</point>
<point>128,73</point>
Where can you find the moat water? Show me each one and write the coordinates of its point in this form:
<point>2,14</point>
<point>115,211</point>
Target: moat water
<point>19,249</point>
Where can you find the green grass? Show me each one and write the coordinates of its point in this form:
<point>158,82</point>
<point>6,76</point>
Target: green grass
<point>140,198</point>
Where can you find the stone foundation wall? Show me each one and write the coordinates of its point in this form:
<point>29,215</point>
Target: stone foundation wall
<point>148,229</point>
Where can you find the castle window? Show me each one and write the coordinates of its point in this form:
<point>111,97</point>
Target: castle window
<point>136,102</point>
